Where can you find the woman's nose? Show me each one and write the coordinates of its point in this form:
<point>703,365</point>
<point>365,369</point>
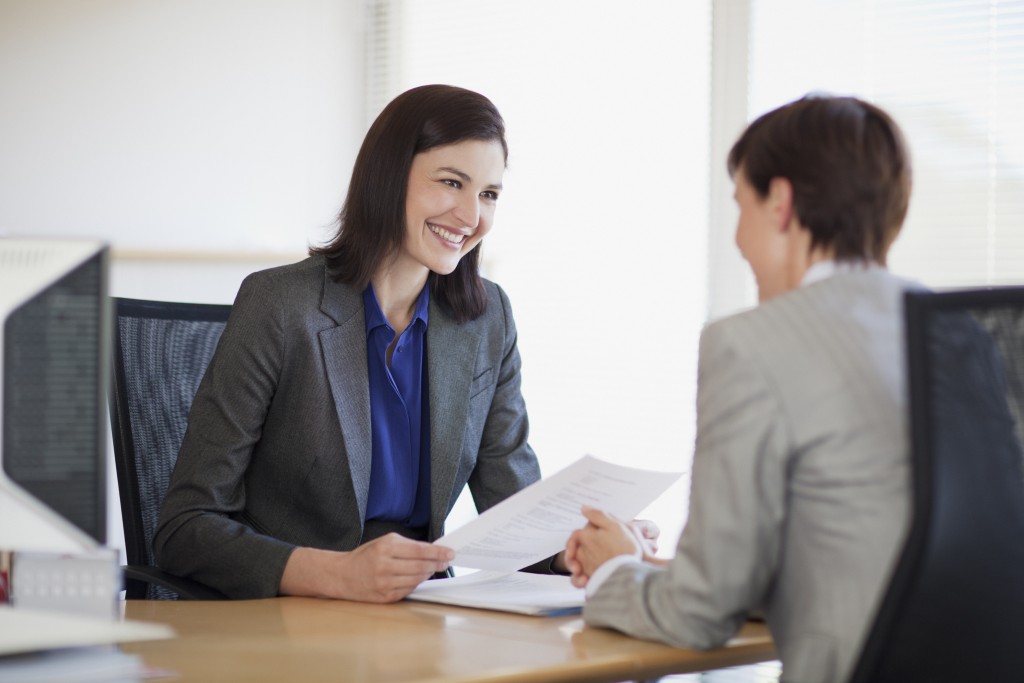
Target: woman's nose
<point>468,211</point>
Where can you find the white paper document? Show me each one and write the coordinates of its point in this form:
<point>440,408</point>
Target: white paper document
<point>536,522</point>
<point>534,594</point>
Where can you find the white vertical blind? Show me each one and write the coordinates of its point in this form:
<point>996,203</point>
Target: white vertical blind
<point>383,54</point>
<point>730,283</point>
<point>601,233</point>
<point>952,73</point>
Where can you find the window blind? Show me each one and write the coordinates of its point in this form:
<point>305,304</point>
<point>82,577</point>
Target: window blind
<point>952,74</point>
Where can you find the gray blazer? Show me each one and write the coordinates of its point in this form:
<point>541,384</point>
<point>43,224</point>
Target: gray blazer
<point>277,451</point>
<point>800,491</point>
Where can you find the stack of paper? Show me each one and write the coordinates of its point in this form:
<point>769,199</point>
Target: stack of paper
<point>74,665</point>
<point>26,630</point>
<point>45,646</point>
<point>534,594</point>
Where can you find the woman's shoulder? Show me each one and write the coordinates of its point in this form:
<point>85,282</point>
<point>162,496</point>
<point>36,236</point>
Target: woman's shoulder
<point>496,314</point>
<point>291,286</point>
<point>494,290</point>
<point>311,268</point>
<point>498,304</point>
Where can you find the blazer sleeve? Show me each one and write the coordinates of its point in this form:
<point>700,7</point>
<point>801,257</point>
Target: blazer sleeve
<point>726,557</point>
<point>199,535</point>
<point>505,462</point>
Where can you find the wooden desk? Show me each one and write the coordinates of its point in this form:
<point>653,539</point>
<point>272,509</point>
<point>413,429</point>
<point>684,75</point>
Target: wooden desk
<point>305,639</point>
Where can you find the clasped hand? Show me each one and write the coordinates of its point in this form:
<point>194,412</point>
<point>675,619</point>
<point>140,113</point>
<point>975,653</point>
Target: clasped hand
<point>605,537</point>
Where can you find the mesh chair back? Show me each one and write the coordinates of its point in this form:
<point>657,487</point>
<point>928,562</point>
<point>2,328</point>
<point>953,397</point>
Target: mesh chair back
<point>954,606</point>
<point>161,351</point>
<point>1004,322</point>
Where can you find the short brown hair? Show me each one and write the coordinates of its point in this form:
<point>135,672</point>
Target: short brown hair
<point>371,225</point>
<point>848,164</point>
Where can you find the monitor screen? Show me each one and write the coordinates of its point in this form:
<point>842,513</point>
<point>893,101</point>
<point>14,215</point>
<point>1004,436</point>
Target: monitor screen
<point>55,332</point>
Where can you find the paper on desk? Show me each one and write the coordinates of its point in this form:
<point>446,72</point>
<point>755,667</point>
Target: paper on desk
<point>536,522</point>
<point>534,594</point>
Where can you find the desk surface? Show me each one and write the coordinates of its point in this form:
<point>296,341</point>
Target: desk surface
<point>305,639</point>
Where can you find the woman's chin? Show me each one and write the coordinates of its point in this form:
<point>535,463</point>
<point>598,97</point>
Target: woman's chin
<point>444,268</point>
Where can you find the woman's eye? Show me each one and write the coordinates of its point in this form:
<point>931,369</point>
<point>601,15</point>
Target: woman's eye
<point>452,183</point>
<point>490,195</point>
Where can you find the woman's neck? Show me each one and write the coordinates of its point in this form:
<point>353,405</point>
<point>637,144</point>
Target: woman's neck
<point>397,290</point>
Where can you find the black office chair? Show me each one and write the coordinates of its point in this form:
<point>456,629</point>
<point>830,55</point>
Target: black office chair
<point>161,350</point>
<point>954,608</point>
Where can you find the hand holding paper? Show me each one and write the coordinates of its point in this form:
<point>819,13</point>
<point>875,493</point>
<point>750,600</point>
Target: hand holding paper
<point>536,522</point>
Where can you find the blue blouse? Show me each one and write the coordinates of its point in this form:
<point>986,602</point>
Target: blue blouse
<point>399,416</point>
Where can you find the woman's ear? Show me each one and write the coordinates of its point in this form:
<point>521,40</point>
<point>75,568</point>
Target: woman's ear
<point>780,202</point>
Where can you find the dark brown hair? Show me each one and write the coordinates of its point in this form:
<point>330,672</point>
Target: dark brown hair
<point>848,164</point>
<point>371,225</point>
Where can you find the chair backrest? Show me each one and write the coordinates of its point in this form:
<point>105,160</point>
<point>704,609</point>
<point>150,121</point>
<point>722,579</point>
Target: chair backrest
<point>955,604</point>
<point>161,351</point>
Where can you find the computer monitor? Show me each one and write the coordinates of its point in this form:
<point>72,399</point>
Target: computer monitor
<point>54,355</point>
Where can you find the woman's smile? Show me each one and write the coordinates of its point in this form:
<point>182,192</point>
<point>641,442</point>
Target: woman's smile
<point>454,239</point>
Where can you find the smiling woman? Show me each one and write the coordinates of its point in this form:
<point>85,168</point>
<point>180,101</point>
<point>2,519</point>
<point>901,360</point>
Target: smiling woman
<point>450,203</point>
<point>354,394</point>
<point>419,132</point>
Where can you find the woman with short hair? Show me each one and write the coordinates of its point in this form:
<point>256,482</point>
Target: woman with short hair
<point>800,490</point>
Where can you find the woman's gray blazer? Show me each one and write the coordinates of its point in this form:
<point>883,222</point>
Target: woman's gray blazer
<point>800,490</point>
<point>277,451</point>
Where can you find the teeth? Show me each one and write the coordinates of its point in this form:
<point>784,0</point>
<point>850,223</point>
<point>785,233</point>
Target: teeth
<point>449,236</point>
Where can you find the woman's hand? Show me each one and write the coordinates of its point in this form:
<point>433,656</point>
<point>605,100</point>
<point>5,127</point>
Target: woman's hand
<point>603,538</point>
<point>644,531</point>
<point>383,570</point>
<point>647,532</point>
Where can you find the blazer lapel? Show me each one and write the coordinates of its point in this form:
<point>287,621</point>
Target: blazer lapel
<point>452,351</point>
<point>344,351</point>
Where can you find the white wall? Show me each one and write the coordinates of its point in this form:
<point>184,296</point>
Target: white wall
<point>203,140</point>
<point>184,125</point>
<point>221,131</point>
